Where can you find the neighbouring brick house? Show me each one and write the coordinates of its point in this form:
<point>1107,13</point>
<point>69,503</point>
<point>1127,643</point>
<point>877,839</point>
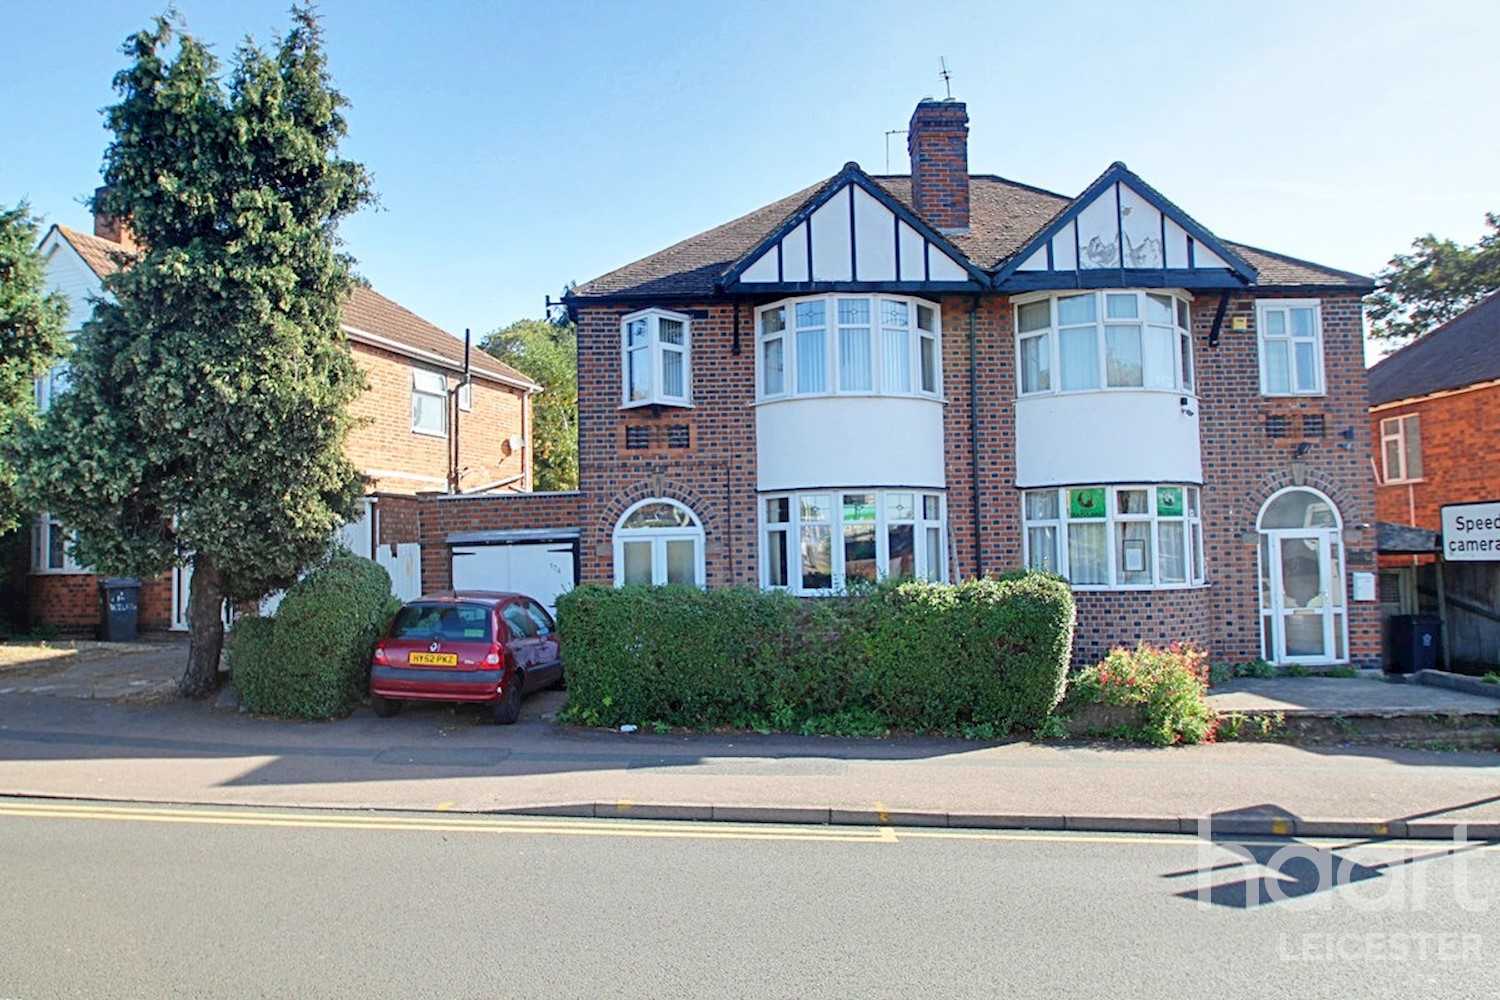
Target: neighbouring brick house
<point>1435,424</point>
<point>402,440</point>
<point>947,375</point>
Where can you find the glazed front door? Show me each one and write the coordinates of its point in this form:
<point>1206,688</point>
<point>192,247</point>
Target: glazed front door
<point>1302,596</point>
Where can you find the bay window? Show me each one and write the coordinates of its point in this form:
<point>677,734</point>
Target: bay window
<point>1116,536</point>
<point>655,350</point>
<point>848,344</point>
<point>1088,341</point>
<point>824,541</point>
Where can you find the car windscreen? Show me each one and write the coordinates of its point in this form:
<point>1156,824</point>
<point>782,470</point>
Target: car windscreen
<point>449,622</point>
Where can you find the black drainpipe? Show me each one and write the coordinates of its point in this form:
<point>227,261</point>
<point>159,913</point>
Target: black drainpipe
<point>974,435</point>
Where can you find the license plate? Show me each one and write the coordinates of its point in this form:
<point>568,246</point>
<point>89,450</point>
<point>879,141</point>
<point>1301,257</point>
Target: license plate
<point>432,659</point>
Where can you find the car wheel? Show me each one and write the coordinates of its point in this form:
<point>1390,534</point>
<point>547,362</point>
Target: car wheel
<point>383,706</point>
<point>509,708</point>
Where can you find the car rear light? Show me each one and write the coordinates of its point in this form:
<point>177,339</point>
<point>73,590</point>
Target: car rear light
<point>380,656</point>
<point>493,657</point>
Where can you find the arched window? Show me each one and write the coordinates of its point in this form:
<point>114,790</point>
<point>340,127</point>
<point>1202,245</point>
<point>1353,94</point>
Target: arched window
<point>659,541</point>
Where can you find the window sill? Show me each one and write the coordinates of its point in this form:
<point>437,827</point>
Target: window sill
<point>919,397</point>
<point>658,403</point>
<point>63,572</point>
<point>1402,482</point>
<point>1191,394</point>
<point>427,433</point>
<point>1318,394</point>
<point>1095,588</point>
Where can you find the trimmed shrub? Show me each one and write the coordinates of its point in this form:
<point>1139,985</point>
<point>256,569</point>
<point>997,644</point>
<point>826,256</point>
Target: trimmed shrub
<point>312,659</point>
<point>984,655</point>
<point>1164,688</point>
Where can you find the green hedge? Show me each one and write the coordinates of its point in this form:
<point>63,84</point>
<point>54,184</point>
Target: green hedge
<point>981,656</point>
<point>312,659</point>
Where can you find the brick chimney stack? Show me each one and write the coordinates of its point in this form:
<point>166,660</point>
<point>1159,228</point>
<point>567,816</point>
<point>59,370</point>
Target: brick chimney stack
<point>108,227</point>
<point>938,142</point>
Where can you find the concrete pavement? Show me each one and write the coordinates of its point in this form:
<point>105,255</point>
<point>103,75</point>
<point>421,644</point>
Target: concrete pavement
<point>149,747</point>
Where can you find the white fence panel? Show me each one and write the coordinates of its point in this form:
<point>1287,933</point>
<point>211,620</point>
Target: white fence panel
<point>405,567</point>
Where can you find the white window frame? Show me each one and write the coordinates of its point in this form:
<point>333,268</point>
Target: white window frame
<point>922,522</point>
<point>1263,309</point>
<point>883,376</point>
<point>654,350</point>
<point>436,388</point>
<point>1191,521</point>
<point>658,539</point>
<point>1402,431</point>
<point>48,386</point>
<point>41,548</point>
<point>1183,372</point>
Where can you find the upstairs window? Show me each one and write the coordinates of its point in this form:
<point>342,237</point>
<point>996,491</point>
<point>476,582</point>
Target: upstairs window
<point>655,350</point>
<point>429,402</point>
<point>1401,444</point>
<point>1291,347</point>
<point>1089,341</point>
<point>848,344</point>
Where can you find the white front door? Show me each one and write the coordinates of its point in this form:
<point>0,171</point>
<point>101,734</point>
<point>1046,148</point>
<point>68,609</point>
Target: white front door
<point>1303,616</point>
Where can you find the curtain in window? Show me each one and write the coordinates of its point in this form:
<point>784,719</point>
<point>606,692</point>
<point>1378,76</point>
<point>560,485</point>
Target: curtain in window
<point>855,371</point>
<point>1088,554</point>
<point>896,362</point>
<point>1078,352</point>
<point>812,361</point>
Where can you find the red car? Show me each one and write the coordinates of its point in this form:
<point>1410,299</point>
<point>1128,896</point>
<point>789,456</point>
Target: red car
<point>469,646</point>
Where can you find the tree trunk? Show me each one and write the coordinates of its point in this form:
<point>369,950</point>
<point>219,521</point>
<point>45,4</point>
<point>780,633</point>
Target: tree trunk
<point>205,631</point>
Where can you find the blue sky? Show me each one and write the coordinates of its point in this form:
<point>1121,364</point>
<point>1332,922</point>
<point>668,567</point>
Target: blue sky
<point>519,145</point>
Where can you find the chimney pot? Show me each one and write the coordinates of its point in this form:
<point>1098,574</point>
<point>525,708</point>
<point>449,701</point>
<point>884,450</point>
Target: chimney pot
<point>109,227</point>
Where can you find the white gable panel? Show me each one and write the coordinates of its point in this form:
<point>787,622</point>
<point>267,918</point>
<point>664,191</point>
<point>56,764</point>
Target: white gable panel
<point>1177,245</point>
<point>1036,262</point>
<point>67,273</point>
<point>874,238</point>
<point>1204,257</point>
<point>945,268</point>
<point>1099,231</point>
<point>1141,225</point>
<point>913,246</point>
<point>833,258</point>
<point>763,269</point>
<point>794,254</point>
<point>1065,248</point>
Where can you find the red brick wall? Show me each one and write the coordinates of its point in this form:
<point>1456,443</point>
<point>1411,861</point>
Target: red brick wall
<point>383,441</point>
<point>399,518</point>
<point>70,601</point>
<point>1460,457</point>
<point>1243,467</point>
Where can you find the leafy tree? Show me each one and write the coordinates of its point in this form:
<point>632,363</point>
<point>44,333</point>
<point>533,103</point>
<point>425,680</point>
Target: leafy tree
<point>31,338</point>
<point>548,352</point>
<point>209,401</point>
<point>1438,280</point>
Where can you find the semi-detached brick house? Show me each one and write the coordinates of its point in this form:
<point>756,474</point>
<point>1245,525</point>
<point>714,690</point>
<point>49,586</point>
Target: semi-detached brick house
<point>401,440</point>
<point>950,374</point>
<point>1435,423</point>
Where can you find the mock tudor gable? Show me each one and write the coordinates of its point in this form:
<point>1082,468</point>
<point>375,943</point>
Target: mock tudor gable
<point>853,233</point>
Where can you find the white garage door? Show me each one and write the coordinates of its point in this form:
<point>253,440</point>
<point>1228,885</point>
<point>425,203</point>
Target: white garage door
<point>541,569</point>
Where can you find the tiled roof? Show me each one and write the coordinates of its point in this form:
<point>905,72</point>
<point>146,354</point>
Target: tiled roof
<point>97,253</point>
<point>370,312</point>
<point>367,311</point>
<point>1003,216</point>
<point>1463,351</point>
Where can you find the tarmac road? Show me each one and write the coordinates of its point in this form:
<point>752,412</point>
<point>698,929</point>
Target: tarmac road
<point>111,901</point>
